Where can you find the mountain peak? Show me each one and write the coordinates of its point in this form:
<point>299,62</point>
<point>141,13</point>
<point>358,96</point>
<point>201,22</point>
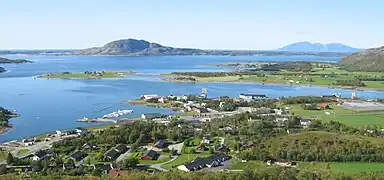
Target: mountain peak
<point>135,47</point>
<point>307,46</point>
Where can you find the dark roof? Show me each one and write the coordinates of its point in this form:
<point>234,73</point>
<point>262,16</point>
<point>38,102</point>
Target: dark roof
<point>111,153</point>
<point>153,115</point>
<point>69,165</point>
<point>161,144</point>
<point>199,162</point>
<point>122,148</point>
<point>150,153</point>
<point>221,147</point>
<point>105,167</point>
<point>78,155</point>
<point>253,95</point>
<point>41,154</point>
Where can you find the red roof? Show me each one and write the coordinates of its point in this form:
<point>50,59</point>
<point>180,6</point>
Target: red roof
<point>116,173</point>
<point>324,105</point>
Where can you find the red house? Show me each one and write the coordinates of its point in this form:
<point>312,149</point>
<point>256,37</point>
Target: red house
<point>149,155</point>
<point>324,106</point>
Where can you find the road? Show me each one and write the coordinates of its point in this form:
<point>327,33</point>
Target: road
<point>158,166</point>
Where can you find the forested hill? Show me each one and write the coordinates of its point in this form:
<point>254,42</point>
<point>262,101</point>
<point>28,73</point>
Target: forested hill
<point>10,61</point>
<point>368,60</point>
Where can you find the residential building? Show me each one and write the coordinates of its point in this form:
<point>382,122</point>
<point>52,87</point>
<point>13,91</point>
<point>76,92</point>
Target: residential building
<point>222,148</point>
<point>40,156</point>
<point>81,131</point>
<point>111,155</point>
<point>305,122</point>
<point>200,163</point>
<point>149,155</point>
<point>161,144</point>
<point>152,116</point>
<point>89,146</point>
<point>150,96</point>
<point>105,168</point>
<point>205,141</point>
<point>121,148</point>
<point>252,96</point>
<point>78,156</point>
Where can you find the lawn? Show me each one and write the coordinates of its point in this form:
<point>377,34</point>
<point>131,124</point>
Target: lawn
<point>238,165</point>
<point>338,167</point>
<point>162,160</point>
<point>22,151</point>
<point>349,167</point>
<point>184,158</point>
<point>97,128</point>
<point>345,116</point>
<point>3,155</point>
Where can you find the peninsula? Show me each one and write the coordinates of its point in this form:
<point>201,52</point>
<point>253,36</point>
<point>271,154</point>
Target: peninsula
<point>87,75</point>
<point>5,115</point>
<point>291,73</point>
<point>16,61</point>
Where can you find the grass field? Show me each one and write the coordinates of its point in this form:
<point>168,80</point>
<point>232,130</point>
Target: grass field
<point>345,116</point>
<point>22,151</point>
<point>3,155</point>
<point>350,167</point>
<point>338,167</point>
<point>307,78</point>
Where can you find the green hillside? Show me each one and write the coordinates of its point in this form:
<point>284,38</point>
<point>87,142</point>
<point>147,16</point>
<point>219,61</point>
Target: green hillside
<point>368,60</point>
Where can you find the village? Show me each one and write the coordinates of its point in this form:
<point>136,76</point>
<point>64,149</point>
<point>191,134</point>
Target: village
<point>199,136</point>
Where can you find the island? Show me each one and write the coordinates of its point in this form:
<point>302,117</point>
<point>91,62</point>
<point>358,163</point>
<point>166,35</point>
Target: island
<point>5,115</point>
<point>87,75</point>
<point>332,75</point>
<point>16,61</point>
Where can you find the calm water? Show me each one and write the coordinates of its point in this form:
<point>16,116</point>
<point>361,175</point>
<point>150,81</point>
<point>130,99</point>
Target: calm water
<point>46,105</point>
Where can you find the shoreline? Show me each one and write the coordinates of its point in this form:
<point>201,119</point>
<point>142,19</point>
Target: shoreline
<point>167,78</point>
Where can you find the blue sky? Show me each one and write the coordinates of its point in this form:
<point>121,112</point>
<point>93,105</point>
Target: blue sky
<point>206,24</point>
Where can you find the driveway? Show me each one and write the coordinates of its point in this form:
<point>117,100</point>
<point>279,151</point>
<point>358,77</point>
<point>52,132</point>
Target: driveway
<point>158,166</point>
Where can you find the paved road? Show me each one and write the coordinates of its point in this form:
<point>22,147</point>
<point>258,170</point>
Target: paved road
<point>158,166</point>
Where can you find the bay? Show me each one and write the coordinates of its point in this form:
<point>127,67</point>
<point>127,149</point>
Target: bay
<point>49,104</point>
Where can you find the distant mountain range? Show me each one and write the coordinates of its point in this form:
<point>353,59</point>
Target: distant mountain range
<point>317,47</point>
<point>134,47</point>
<point>367,60</point>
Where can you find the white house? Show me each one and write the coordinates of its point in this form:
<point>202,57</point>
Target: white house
<point>150,96</point>
<point>252,96</point>
<point>305,122</point>
<point>205,141</point>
